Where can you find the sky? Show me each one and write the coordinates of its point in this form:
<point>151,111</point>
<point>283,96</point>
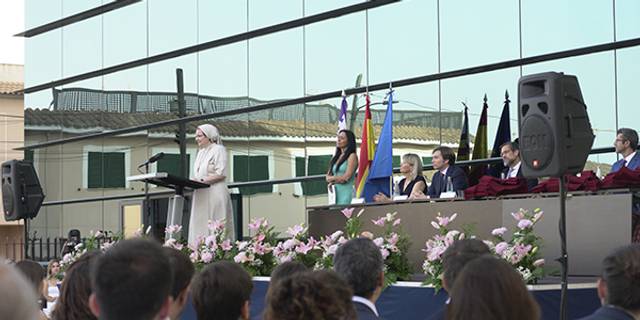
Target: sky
<point>11,22</point>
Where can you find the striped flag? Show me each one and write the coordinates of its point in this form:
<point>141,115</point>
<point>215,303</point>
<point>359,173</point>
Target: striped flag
<point>367,150</point>
<point>463,146</point>
<point>480,147</point>
<point>342,120</point>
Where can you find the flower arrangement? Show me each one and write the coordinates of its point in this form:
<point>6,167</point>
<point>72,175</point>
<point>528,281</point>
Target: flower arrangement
<point>521,251</point>
<point>394,245</point>
<point>98,240</point>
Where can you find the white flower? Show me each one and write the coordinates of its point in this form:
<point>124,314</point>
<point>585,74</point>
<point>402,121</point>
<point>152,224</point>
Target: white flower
<point>499,231</point>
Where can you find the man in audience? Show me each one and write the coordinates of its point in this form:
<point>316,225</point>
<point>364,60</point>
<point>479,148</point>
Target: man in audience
<point>132,280</point>
<point>510,153</point>
<point>454,259</point>
<point>17,297</point>
<point>619,286</point>
<point>182,273</point>
<point>626,144</point>
<point>359,261</point>
<point>443,161</point>
<point>222,292</point>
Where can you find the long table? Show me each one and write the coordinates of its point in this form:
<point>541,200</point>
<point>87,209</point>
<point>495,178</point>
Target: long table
<point>597,222</point>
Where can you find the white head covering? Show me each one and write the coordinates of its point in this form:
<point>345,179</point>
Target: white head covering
<point>211,132</point>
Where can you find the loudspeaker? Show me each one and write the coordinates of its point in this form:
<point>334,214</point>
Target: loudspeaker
<point>555,132</point>
<point>21,192</point>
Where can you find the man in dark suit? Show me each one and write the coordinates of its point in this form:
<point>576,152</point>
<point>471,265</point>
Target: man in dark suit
<point>454,259</point>
<point>510,153</point>
<point>360,263</point>
<point>626,144</point>
<point>443,160</point>
<point>618,288</point>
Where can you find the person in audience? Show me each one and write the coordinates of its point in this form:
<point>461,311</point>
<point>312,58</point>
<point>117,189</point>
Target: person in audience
<point>73,303</point>
<point>619,285</point>
<point>454,259</point>
<point>183,271</point>
<point>17,297</point>
<point>222,292</point>
<point>510,153</point>
<point>413,185</point>
<point>359,261</point>
<point>131,280</point>
<point>342,168</point>
<point>318,295</point>
<point>626,144</point>
<point>73,239</point>
<point>51,291</point>
<point>35,274</point>
<point>287,269</point>
<point>443,160</point>
<point>490,288</point>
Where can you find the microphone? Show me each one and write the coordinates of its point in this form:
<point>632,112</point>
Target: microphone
<point>153,159</point>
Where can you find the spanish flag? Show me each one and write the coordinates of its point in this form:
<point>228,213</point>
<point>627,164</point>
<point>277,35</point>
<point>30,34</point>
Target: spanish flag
<point>480,147</point>
<point>367,150</point>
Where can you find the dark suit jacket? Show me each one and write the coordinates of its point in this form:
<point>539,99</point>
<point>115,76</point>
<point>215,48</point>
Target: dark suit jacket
<point>439,184</point>
<point>364,313</point>
<point>633,164</point>
<point>609,313</point>
<point>530,182</point>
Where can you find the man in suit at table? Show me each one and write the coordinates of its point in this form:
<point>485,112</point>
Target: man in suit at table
<point>443,160</point>
<point>360,263</point>
<point>626,144</point>
<point>510,153</point>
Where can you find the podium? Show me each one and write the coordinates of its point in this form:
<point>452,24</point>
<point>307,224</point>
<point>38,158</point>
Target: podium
<point>176,202</point>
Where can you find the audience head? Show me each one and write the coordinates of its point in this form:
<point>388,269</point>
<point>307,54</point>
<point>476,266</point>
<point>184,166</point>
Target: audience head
<point>457,256</point>
<point>318,295</point>
<point>443,157</point>
<point>131,280</point>
<point>53,268</point>
<point>620,282</point>
<point>626,141</point>
<point>411,164</point>
<point>182,273</point>
<point>222,291</point>
<point>287,269</point>
<point>490,288</point>
<point>17,298</point>
<point>73,302</point>
<point>510,153</point>
<point>34,273</point>
<point>359,261</point>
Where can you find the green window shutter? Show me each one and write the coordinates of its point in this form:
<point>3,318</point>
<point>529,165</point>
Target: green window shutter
<point>28,155</point>
<point>106,170</point>
<point>396,161</point>
<point>317,165</point>
<point>94,172</point>
<point>170,164</point>
<point>251,168</point>
<point>114,172</point>
<point>300,169</point>
<point>426,161</point>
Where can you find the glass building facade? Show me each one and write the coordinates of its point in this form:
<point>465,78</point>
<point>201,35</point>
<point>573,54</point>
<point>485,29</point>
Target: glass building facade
<point>392,42</point>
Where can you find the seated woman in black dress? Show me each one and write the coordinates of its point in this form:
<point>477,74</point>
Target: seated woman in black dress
<point>413,185</point>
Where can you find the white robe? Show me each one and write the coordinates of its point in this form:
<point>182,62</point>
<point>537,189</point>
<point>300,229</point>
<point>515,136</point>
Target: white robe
<point>213,203</point>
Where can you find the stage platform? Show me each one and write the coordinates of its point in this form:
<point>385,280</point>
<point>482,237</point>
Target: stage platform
<point>409,300</point>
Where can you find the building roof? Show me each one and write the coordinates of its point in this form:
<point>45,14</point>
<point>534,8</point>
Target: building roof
<point>10,88</point>
<point>83,122</point>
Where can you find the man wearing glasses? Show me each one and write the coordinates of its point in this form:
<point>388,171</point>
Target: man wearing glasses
<point>626,144</point>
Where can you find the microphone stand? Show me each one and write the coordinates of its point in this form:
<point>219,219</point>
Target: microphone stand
<point>147,201</point>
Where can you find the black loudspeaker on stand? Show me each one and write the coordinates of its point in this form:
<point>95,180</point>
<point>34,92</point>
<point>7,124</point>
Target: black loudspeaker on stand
<point>555,139</point>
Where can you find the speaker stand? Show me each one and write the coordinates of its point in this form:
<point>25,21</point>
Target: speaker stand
<point>564,261</point>
<point>26,238</point>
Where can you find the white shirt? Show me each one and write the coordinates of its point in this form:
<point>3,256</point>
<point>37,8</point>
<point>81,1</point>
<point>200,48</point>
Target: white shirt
<point>367,303</point>
<point>444,171</point>
<point>628,158</point>
<point>513,171</point>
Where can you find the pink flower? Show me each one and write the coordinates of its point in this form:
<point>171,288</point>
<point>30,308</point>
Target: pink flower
<point>241,257</point>
<point>295,230</point>
<point>304,248</point>
<point>173,229</point>
<point>522,250</point>
<point>260,237</point>
<point>501,247</point>
<point>378,241</point>
<point>215,225</point>
<point>260,249</point>
<point>435,253</point>
<point>332,249</point>
<point>289,244</point>
<point>397,222</point>
<point>207,257</point>
<point>384,253</point>
<point>435,225</point>
<point>256,224</point>
<point>499,231</point>
<point>210,241</point>
<point>194,256</point>
<point>379,222</point>
<point>539,263</point>
<point>393,239</point>
<point>226,245</point>
<point>335,235</point>
<point>524,223</point>
<point>347,212</point>
<point>518,215</point>
<point>537,216</point>
<point>443,221</point>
